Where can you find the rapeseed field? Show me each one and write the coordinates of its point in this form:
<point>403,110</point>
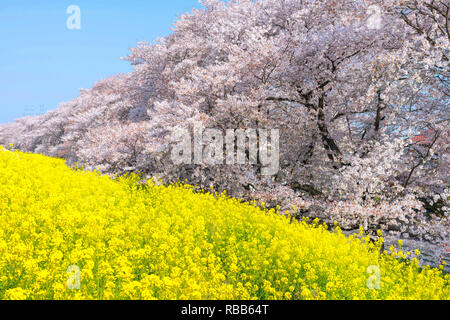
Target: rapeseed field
<point>72,234</point>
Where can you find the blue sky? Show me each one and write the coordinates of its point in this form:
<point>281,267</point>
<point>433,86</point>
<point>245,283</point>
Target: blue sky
<point>43,63</point>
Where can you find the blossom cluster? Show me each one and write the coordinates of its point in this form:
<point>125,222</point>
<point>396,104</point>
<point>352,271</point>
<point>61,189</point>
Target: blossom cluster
<point>146,241</point>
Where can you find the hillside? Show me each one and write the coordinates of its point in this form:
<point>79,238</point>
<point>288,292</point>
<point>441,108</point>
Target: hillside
<point>125,241</point>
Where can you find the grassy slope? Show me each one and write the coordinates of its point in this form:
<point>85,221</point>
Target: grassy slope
<point>170,243</point>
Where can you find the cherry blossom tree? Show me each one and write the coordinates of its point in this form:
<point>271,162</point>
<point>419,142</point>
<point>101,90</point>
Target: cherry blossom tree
<point>349,84</point>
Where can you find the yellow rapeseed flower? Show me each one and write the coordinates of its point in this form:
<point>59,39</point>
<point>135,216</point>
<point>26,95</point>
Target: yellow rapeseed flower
<point>67,234</point>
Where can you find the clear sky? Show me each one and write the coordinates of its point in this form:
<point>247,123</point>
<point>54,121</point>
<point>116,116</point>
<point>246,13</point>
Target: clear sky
<point>43,63</point>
